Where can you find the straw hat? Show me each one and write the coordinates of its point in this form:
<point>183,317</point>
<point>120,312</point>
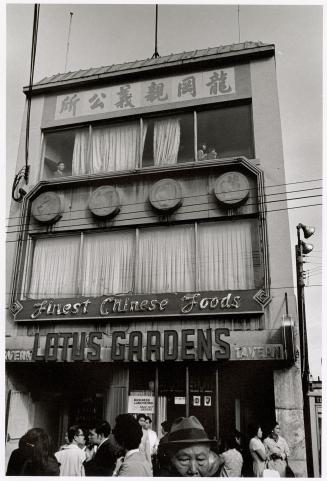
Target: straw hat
<point>187,430</point>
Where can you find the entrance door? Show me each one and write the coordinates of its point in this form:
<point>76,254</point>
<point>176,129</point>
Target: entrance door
<point>190,391</point>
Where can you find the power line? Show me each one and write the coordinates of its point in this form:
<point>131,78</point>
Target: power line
<point>240,190</point>
<point>117,227</point>
<point>148,210</point>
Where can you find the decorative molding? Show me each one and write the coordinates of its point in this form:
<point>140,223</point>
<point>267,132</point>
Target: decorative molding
<point>262,297</point>
<point>15,308</point>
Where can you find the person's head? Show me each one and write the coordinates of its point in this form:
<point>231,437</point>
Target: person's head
<point>275,430</point>
<point>203,146</point>
<point>255,431</point>
<point>238,437</point>
<point>165,427</point>
<point>128,432</point>
<point>212,149</point>
<point>230,442</point>
<point>141,419</point>
<point>36,445</point>
<point>189,447</point>
<point>76,435</point>
<point>148,422</point>
<point>99,432</point>
<point>61,166</point>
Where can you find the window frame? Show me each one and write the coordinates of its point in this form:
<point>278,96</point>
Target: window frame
<point>141,117</point>
<point>256,241</point>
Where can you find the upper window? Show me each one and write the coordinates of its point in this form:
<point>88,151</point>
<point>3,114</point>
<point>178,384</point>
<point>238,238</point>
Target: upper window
<point>150,141</point>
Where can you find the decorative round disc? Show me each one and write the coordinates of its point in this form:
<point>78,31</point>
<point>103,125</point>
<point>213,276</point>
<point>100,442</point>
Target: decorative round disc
<point>104,201</point>
<point>232,188</point>
<point>47,207</point>
<point>166,195</point>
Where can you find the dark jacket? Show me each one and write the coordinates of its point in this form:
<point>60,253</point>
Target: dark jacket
<point>20,465</point>
<point>103,462</point>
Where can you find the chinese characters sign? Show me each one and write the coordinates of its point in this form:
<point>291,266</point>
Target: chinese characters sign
<point>133,95</point>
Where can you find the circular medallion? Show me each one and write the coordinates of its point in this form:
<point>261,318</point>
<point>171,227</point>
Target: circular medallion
<point>166,195</point>
<point>104,201</point>
<point>232,188</point>
<point>47,207</point>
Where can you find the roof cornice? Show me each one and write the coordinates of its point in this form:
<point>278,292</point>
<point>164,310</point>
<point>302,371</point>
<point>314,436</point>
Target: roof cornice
<point>169,64</point>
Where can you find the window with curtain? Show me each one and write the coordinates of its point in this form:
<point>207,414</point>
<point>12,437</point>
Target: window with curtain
<point>168,140</point>
<point>165,259</point>
<point>115,147</point>
<point>163,140</point>
<point>158,259</point>
<point>225,255</point>
<point>55,267</point>
<point>108,263</point>
<point>65,153</point>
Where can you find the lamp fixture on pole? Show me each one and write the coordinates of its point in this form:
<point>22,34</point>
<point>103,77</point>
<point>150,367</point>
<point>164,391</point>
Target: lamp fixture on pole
<point>301,250</point>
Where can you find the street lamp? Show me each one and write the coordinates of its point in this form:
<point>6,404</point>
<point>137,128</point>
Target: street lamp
<point>302,249</point>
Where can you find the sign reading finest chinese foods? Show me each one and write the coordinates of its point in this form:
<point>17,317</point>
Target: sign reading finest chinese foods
<point>142,306</point>
<point>146,93</point>
<point>154,345</point>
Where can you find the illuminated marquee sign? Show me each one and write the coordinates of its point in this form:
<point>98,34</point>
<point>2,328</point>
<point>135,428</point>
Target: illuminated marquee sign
<point>140,306</point>
<point>159,91</point>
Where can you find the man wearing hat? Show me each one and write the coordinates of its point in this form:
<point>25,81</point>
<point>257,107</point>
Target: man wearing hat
<point>188,448</point>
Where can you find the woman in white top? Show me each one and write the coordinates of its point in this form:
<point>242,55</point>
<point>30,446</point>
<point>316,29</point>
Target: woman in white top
<point>277,450</point>
<point>257,451</point>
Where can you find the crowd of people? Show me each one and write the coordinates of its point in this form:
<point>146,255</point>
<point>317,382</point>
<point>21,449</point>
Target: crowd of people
<point>132,448</point>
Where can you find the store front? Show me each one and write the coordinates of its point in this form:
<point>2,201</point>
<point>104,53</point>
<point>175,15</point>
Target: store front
<point>225,394</point>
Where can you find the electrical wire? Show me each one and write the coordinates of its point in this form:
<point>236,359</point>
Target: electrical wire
<point>239,190</point>
<point>205,204</point>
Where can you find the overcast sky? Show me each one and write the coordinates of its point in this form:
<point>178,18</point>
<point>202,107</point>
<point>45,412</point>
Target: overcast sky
<point>107,34</point>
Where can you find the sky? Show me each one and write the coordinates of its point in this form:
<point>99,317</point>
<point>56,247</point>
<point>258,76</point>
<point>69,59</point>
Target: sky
<point>106,34</point>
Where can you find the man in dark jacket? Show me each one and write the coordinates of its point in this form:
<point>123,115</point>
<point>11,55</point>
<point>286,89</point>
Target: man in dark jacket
<point>102,463</point>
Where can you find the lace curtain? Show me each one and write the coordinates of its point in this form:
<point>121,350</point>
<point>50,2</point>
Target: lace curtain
<point>112,148</point>
<point>166,140</point>
<point>55,267</point>
<point>225,256</point>
<point>80,153</point>
<point>165,260</point>
<point>108,263</point>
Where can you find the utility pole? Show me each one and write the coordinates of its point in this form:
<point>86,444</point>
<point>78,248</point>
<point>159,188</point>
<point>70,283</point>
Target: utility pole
<point>301,249</point>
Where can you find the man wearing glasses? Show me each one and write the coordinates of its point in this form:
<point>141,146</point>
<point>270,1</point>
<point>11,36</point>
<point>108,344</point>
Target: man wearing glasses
<point>71,456</point>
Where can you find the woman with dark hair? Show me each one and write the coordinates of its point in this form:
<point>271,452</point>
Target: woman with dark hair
<point>34,456</point>
<point>128,434</point>
<point>231,459</point>
<point>277,450</point>
<point>257,450</point>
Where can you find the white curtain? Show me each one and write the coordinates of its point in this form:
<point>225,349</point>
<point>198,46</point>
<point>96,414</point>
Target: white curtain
<point>80,153</point>
<point>108,263</point>
<point>166,140</point>
<point>165,260</point>
<point>55,266</point>
<point>225,256</point>
<point>162,412</point>
<point>115,148</point>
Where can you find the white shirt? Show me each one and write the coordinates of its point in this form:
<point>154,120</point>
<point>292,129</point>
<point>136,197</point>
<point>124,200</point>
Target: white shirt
<point>71,460</point>
<point>153,441</point>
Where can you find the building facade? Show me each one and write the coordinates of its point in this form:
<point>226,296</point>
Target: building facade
<point>147,264</point>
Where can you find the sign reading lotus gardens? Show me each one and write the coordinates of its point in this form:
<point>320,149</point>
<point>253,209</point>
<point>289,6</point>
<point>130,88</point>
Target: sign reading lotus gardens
<point>168,345</point>
<point>129,96</point>
<point>138,306</point>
